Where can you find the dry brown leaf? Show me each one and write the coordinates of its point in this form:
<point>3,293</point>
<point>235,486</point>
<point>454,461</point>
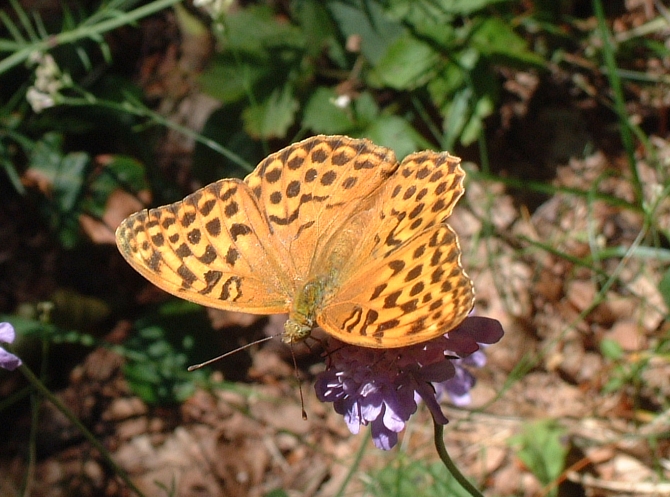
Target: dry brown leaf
<point>628,334</point>
<point>221,319</point>
<point>120,204</point>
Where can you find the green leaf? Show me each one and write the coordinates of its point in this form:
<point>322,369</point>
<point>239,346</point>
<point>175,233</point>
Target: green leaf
<point>369,21</point>
<point>472,102</point>
<point>158,353</point>
<point>439,9</point>
<point>69,180</point>
<point>254,29</point>
<point>444,85</point>
<point>47,155</point>
<point>457,115</point>
<point>322,115</point>
<point>13,175</point>
<point>438,34</point>
<point>541,450</point>
<point>404,477</point>
<point>465,7</point>
<point>395,133</point>
<point>366,108</point>
<point>65,174</point>
<point>317,27</point>
<point>126,170</point>
<point>277,492</point>
<point>273,117</point>
<point>228,79</point>
<point>407,64</point>
<point>260,53</point>
<point>611,349</point>
<point>494,37</point>
<point>475,126</point>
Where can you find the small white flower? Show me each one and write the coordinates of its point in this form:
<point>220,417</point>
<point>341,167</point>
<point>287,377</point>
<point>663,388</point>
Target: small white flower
<point>215,8</point>
<point>48,82</point>
<point>38,100</point>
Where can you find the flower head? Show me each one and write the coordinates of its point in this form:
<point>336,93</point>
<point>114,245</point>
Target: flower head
<point>7,360</point>
<point>49,81</point>
<point>381,387</point>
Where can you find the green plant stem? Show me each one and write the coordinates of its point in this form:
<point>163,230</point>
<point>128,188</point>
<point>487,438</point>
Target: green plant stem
<point>35,405</point>
<point>355,465</point>
<point>135,108</point>
<point>39,386</point>
<point>619,102</point>
<point>116,20</point>
<point>549,189</point>
<point>438,430</point>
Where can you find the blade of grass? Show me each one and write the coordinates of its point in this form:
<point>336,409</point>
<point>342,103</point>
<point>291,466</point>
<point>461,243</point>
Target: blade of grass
<point>14,31</point>
<point>24,20</point>
<point>354,466</point>
<point>82,32</point>
<point>539,187</point>
<point>619,102</point>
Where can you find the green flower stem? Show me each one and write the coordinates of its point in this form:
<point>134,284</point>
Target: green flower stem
<point>451,467</point>
<point>39,386</point>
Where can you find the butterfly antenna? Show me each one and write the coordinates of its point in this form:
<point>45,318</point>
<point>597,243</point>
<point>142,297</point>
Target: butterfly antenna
<point>234,351</point>
<point>297,377</point>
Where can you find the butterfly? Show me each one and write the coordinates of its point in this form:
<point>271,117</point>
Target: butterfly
<point>332,230</point>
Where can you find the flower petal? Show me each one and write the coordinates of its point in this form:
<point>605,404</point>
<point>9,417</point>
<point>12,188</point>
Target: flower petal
<point>7,333</point>
<point>477,359</point>
<point>482,329</point>
<point>382,437</point>
<point>352,416</point>
<point>371,406</point>
<point>427,393</point>
<point>9,361</point>
<point>458,388</point>
<point>392,421</point>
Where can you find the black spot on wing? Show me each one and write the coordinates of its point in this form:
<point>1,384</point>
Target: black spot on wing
<point>211,278</point>
<point>209,256</point>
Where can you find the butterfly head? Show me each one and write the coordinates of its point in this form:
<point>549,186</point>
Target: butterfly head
<point>297,329</point>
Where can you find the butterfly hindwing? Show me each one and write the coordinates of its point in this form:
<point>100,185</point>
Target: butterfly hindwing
<point>418,292</point>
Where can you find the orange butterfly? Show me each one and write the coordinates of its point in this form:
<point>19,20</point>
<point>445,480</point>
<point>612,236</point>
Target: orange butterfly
<point>332,230</point>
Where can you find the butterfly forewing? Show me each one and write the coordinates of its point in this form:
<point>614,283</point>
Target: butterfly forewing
<point>212,248</point>
<point>310,189</point>
<point>422,193</point>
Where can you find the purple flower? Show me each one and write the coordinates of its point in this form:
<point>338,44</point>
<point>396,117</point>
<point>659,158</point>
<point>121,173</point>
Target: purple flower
<point>381,387</point>
<point>7,360</point>
<point>458,386</point>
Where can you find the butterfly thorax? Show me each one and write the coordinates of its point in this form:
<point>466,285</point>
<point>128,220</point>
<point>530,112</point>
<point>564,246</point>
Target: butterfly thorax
<point>302,316</point>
